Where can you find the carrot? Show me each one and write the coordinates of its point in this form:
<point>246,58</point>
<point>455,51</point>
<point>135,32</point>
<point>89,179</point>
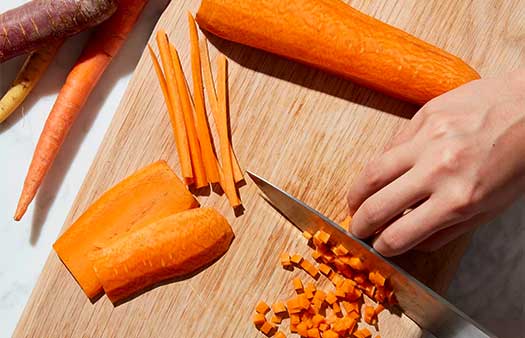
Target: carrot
<point>177,117</point>
<point>187,109</point>
<point>279,334</point>
<point>337,38</point>
<point>36,24</point>
<point>149,194</point>
<point>222,127</point>
<point>203,129</point>
<point>28,76</point>
<point>262,307</point>
<point>174,246</point>
<point>285,260</point>
<point>214,104</point>
<point>258,319</point>
<point>96,56</point>
<point>267,328</point>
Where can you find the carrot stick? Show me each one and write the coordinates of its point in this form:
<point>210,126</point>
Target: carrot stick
<point>181,137</point>
<point>96,56</point>
<point>187,109</point>
<point>222,127</point>
<point>212,96</point>
<point>203,131</point>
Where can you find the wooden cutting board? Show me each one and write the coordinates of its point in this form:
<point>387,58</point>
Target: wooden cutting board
<point>303,129</point>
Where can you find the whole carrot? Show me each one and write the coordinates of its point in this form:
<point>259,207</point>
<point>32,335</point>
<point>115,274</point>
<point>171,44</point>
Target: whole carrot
<point>102,46</point>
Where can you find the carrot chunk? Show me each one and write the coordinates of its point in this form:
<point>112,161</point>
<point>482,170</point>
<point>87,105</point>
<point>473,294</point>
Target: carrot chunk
<point>279,307</point>
<point>307,235</point>
<point>298,285</point>
<point>279,334</point>
<point>258,319</point>
<point>285,260</point>
<point>314,333</point>
<point>362,333</point>
<point>377,279</point>
<point>340,250</point>
<point>296,259</point>
<point>267,328</point>
<point>302,329</point>
<point>356,263</point>
<point>369,314</point>
<point>330,334</point>
<point>321,237</point>
<point>262,307</point>
<point>276,319</point>
<point>331,298</point>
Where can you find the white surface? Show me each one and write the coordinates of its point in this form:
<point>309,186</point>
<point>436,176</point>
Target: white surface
<point>488,285</point>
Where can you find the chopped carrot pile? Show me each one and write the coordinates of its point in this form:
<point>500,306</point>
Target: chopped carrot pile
<point>317,313</point>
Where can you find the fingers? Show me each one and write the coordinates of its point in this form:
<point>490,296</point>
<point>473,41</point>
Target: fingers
<point>449,234</point>
<point>407,132</point>
<point>413,228</point>
<point>380,172</point>
<point>389,202</point>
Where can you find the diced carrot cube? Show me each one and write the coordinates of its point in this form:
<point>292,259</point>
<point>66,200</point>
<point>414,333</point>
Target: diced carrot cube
<point>321,237</point>
<point>262,307</point>
<point>304,301</point>
<point>279,334</point>
<point>323,327</point>
<point>369,314</point>
<point>351,307</point>
<point>340,292</point>
<point>293,328</point>
<point>345,224</point>
<point>330,334</point>
<point>298,285</point>
<point>336,308</point>
<point>295,319</point>
<point>354,315</point>
<point>317,319</point>
<point>258,319</point>
<point>267,328</point>
<point>360,278</point>
<point>325,269</point>
<point>341,325</point>
<point>317,255</point>
<point>362,333</point>
<point>379,309</point>
<point>340,250</point>
<point>356,263</point>
<point>337,280</point>
<point>285,260</point>
<point>314,333</point>
<point>320,294</point>
<point>302,329</point>
<point>296,259</point>
<point>309,268</point>
<point>307,235</point>
<point>377,279</point>
<point>331,298</point>
<point>278,307</point>
<point>276,319</point>
<point>309,290</point>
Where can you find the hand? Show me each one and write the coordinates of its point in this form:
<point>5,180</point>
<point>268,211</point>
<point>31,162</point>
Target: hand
<point>459,162</point>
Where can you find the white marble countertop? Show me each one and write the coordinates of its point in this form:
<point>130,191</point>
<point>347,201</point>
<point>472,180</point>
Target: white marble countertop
<point>489,285</point>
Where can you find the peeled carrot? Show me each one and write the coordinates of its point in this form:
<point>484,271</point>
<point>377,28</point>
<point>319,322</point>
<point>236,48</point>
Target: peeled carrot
<point>174,246</point>
<point>187,109</point>
<point>149,194</point>
<point>214,103</point>
<point>222,127</point>
<point>203,129</point>
<point>335,37</point>
<point>102,46</point>
<point>178,124</point>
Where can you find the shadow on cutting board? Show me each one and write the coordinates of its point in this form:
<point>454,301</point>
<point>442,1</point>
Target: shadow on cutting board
<point>309,77</point>
<point>123,64</point>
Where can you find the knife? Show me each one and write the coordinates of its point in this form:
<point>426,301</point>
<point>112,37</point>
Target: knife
<point>426,308</point>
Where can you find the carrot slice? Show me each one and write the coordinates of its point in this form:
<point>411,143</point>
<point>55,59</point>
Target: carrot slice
<point>181,137</point>
<point>203,128</point>
<point>222,127</point>
<point>187,109</point>
<point>214,102</point>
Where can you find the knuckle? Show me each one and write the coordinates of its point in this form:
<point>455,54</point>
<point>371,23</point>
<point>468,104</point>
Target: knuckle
<point>450,158</point>
<point>464,198</point>
<point>373,175</point>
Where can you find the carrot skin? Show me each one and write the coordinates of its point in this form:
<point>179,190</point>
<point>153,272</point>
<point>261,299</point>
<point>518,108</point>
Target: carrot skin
<point>36,23</point>
<point>187,109</point>
<point>335,37</point>
<point>181,136</point>
<point>203,128</point>
<point>100,49</point>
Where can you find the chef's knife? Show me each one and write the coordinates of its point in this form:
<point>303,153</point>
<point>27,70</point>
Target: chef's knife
<point>425,307</point>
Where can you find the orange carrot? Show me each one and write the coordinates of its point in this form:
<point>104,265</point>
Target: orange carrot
<point>102,46</point>
<point>149,194</point>
<point>203,129</point>
<point>214,104</point>
<point>181,138</point>
<point>258,319</point>
<point>174,246</point>
<point>262,307</point>
<point>222,127</point>
<point>187,109</point>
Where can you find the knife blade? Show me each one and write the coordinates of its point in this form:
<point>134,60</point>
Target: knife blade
<point>426,308</point>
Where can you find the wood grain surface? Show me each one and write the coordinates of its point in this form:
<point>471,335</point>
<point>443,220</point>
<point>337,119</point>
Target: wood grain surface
<point>303,129</point>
